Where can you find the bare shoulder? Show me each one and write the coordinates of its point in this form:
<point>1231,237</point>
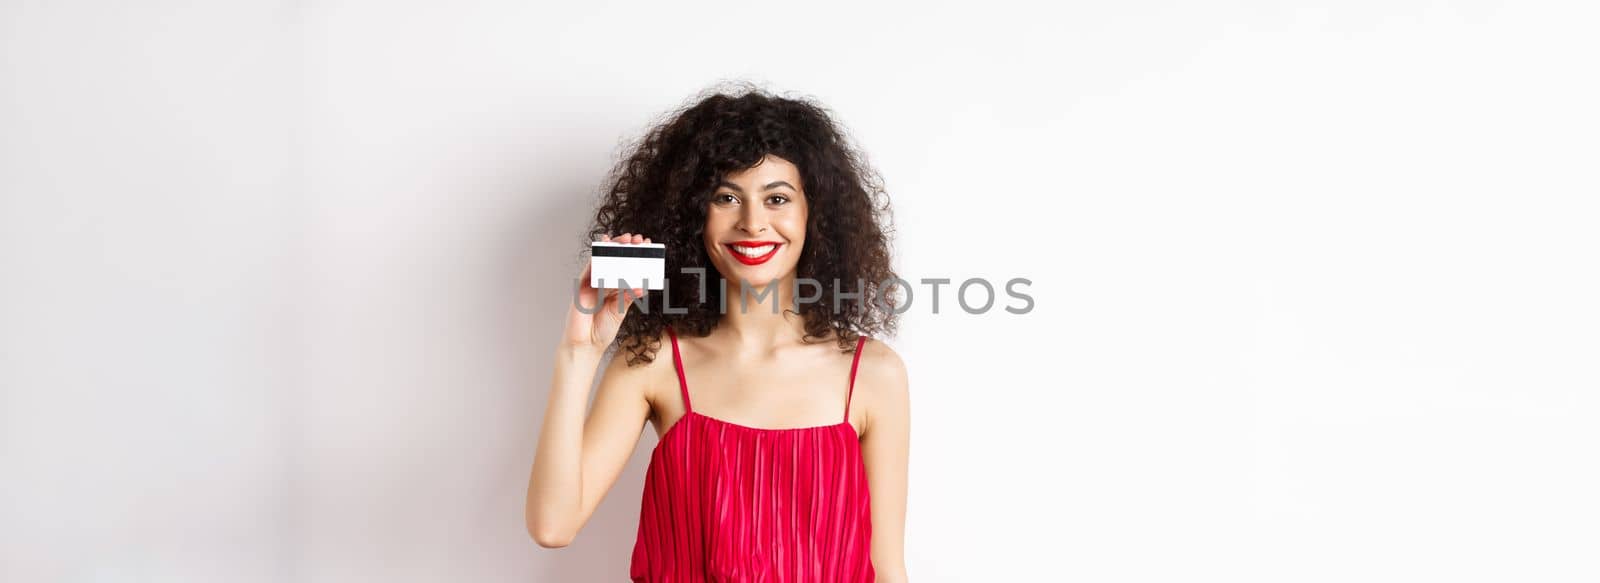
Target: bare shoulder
<point>882,380</point>
<point>641,376</point>
<point>880,361</point>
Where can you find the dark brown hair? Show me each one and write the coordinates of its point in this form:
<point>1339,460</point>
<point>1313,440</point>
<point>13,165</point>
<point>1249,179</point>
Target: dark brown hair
<point>663,184</point>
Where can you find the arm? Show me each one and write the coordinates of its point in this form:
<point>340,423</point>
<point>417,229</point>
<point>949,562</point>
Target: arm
<point>886,452</point>
<point>578,459</point>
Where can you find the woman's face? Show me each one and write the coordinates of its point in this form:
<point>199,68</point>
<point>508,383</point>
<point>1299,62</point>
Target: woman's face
<point>761,211</point>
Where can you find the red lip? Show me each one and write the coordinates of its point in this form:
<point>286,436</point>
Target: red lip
<point>753,260</point>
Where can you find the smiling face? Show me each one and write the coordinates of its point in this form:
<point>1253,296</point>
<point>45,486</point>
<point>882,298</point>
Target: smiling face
<point>756,223</point>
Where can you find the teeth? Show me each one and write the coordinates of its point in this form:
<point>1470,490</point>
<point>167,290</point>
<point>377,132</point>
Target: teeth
<point>753,251</point>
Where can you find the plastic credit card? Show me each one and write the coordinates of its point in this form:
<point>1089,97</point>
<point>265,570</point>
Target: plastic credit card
<point>627,265</point>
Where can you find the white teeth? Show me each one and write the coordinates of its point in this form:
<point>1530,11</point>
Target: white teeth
<point>754,251</point>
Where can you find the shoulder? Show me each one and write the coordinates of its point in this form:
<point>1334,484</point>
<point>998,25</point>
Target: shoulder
<point>881,361</point>
<point>623,359</point>
<point>645,377</point>
<point>882,379</point>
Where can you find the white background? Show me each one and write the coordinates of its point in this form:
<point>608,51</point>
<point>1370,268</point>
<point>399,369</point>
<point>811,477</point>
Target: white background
<point>1315,282</point>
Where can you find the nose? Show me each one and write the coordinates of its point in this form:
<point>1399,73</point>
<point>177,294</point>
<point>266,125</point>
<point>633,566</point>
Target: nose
<point>753,220</point>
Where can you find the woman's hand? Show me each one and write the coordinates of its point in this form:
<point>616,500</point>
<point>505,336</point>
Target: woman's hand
<point>596,330</point>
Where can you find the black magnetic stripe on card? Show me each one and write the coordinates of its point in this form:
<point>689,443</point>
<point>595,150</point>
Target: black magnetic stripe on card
<point>628,251</point>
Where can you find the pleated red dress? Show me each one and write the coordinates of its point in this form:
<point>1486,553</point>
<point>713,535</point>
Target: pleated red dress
<point>727,503</point>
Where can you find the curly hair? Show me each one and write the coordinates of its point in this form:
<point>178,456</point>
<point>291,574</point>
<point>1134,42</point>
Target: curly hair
<point>664,183</point>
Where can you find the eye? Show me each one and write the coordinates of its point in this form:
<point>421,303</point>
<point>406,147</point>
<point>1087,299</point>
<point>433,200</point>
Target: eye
<point>724,197</point>
<point>779,197</point>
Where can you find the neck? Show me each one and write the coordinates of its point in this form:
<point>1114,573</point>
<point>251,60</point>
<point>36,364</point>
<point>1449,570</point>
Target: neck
<point>760,322</point>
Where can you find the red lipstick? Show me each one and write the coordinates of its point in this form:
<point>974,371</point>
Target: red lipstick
<point>734,249</point>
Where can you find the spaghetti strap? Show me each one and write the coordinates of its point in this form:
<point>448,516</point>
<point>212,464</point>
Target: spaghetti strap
<point>860,342</point>
<point>677,363</point>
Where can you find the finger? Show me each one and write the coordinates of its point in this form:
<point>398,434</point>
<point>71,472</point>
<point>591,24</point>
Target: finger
<point>583,278</point>
<point>647,239</point>
<point>605,237</point>
<point>638,239</point>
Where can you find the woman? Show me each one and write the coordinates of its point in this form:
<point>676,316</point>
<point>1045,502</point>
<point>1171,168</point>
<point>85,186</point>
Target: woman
<point>783,426</point>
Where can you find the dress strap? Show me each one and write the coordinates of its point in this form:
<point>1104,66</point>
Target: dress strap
<point>683,384</point>
<point>860,342</point>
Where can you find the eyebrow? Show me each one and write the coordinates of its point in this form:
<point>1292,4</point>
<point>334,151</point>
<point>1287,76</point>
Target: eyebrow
<point>767,187</point>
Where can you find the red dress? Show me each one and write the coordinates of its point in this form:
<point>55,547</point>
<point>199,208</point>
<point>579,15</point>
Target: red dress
<point>728,503</point>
